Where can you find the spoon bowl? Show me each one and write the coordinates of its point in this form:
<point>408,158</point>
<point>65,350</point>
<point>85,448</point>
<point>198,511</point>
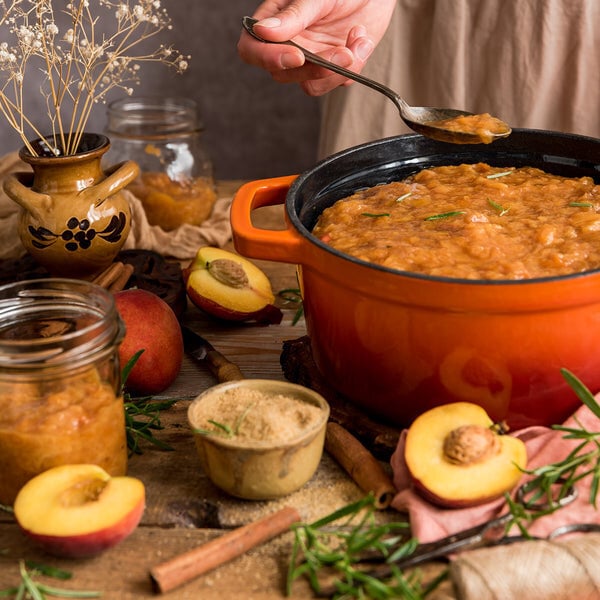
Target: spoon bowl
<point>442,124</point>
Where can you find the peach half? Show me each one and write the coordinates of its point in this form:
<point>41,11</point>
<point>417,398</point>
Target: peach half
<point>457,457</point>
<point>77,511</point>
<point>230,287</point>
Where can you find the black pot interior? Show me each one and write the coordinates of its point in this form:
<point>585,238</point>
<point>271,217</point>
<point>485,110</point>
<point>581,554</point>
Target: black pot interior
<point>395,158</point>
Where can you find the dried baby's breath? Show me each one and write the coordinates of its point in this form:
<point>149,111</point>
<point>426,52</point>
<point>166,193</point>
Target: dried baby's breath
<point>80,63</point>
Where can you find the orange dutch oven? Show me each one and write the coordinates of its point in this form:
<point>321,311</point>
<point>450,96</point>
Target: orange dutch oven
<point>398,343</point>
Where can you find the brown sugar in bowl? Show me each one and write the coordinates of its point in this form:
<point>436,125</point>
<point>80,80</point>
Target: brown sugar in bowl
<point>398,343</point>
<point>259,439</point>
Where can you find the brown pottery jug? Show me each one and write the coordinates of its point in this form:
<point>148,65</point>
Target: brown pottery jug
<point>74,218</point>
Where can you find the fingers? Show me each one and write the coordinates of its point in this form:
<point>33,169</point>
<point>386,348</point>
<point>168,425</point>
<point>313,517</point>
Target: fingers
<point>270,57</point>
<point>279,22</point>
<point>287,64</point>
<point>358,49</point>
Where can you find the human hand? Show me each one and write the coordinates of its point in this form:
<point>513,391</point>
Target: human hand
<point>345,33</point>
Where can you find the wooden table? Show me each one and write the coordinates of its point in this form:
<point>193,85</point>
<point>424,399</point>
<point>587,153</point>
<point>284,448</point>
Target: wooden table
<point>184,510</point>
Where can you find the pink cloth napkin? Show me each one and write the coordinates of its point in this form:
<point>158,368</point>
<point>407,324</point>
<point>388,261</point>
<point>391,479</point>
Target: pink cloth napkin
<point>544,446</point>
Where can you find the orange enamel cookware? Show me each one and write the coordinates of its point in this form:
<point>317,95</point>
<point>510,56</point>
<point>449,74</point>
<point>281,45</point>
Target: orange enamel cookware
<point>399,343</point>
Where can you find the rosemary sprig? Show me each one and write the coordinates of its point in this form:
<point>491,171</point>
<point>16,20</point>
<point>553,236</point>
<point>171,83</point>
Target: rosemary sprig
<point>501,210</point>
<point>293,296</point>
<point>332,549</point>
<point>581,204</point>
<point>224,428</point>
<point>554,482</point>
<point>142,417</point>
<point>374,215</point>
<point>496,175</point>
<point>36,590</point>
<point>404,197</point>
<point>446,215</point>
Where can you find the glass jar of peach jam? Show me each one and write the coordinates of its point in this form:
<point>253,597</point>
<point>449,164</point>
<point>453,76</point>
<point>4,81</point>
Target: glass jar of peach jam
<point>60,381</point>
<point>163,136</point>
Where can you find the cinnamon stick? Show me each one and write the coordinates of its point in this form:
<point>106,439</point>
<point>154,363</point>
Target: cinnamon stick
<point>109,275</point>
<point>120,282</point>
<point>115,277</point>
<point>185,567</point>
<point>360,464</point>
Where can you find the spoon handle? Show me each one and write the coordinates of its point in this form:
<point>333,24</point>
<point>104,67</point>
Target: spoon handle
<point>248,24</point>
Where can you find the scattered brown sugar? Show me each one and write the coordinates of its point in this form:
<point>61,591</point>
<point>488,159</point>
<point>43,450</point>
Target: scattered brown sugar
<point>256,416</point>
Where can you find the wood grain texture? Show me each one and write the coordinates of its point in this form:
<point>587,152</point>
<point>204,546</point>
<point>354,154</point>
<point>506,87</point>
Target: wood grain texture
<point>184,509</point>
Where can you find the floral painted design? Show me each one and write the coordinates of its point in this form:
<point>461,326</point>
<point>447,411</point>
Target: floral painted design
<point>79,234</point>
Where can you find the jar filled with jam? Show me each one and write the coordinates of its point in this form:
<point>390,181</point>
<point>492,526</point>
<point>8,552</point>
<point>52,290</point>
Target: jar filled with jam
<point>163,136</point>
<point>60,380</point>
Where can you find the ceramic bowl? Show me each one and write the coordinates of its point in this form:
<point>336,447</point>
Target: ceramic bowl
<point>259,439</point>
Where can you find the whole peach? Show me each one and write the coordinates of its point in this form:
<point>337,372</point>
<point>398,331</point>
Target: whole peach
<point>151,326</point>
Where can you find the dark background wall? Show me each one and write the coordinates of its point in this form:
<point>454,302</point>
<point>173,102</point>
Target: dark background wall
<point>254,127</point>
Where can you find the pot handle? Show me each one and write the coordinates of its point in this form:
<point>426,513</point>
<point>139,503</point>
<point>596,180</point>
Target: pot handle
<point>278,245</point>
<point>17,186</point>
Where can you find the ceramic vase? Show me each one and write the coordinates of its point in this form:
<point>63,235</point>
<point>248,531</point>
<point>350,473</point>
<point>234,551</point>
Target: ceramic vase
<point>74,218</point>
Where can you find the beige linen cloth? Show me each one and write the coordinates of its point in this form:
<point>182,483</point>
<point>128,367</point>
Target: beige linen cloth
<point>533,63</point>
<point>182,243</point>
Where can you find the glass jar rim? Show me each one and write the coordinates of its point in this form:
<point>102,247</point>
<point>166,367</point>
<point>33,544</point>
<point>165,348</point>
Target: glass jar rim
<point>91,326</point>
<point>150,117</point>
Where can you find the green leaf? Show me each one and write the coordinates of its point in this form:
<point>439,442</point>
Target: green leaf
<point>446,215</point>
<point>63,593</point>
<point>48,571</point>
<point>582,392</point>
<point>129,366</point>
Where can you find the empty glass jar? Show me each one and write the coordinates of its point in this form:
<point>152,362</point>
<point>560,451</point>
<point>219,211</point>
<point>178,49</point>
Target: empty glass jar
<point>60,381</point>
<point>163,136</point>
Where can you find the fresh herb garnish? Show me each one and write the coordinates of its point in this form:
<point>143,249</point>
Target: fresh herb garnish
<point>501,210</point>
<point>142,417</point>
<point>581,204</point>
<point>327,549</point>
<point>583,461</point>
<point>496,175</point>
<point>293,295</point>
<point>375,215</point>
<point>29,588</point>
<point>446,215</point>
<point>227,430</point>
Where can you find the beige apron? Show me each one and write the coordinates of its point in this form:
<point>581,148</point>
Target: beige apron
<point>533,63</point>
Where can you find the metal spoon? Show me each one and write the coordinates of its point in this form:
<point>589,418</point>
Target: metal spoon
<point>431,122</point>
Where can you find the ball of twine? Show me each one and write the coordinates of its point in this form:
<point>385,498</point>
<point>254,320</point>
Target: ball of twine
<point>530,570</point>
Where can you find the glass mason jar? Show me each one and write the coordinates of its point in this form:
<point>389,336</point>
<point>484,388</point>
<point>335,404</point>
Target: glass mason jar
<point>60,380</point>
<point>162,135</point>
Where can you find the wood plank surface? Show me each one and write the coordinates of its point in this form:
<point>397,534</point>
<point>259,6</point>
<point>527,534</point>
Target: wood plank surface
<point>183,508</point>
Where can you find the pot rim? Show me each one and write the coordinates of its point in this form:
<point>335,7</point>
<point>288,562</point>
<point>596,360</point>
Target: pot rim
<point>97,144</point>
<point>328,164</point>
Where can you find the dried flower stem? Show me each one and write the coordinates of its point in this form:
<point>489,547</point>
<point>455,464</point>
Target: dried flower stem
<point>81,64</point>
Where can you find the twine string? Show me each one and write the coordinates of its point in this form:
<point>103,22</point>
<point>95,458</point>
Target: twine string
<point>530,570</point>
